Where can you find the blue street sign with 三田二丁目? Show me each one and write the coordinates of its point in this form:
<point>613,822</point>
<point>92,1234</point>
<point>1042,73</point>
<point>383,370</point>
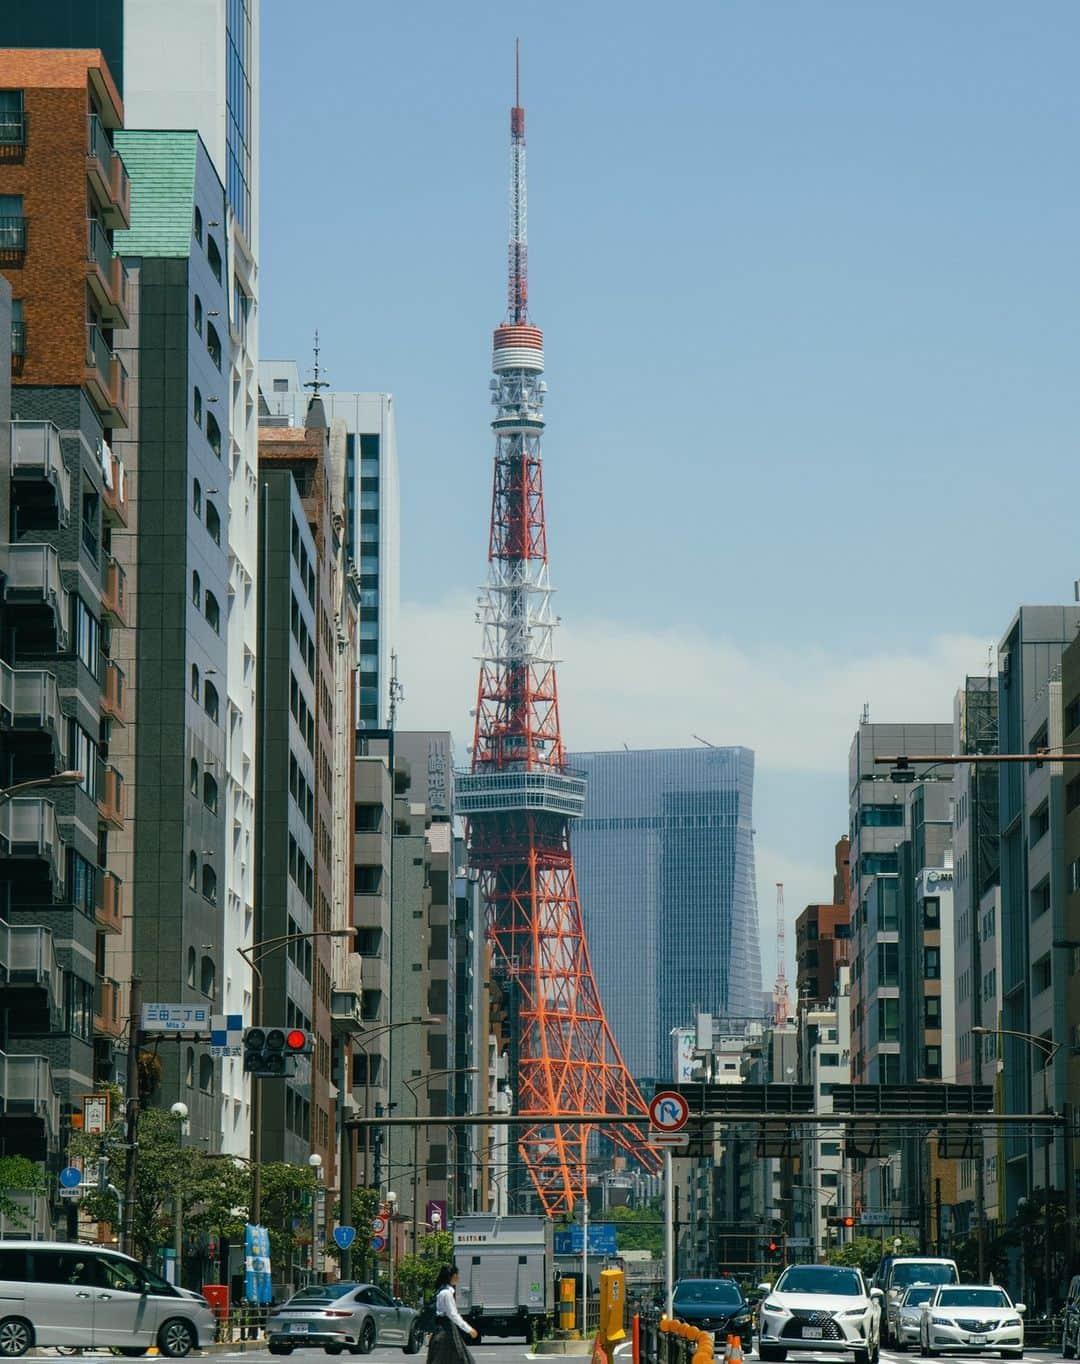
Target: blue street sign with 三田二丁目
<point>572,1241</point>
<point>344,1237</point>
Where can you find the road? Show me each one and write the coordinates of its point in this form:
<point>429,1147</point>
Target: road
<point>517,1352</point>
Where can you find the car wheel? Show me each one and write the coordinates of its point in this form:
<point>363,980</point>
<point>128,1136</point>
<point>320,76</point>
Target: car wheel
<point>16,1337</point>
<point>176,1338</point>
<point>280,1349</point>
<point>1012,1354</point>
<point>367,1338</point>
<point>861,1356</point>
<point>747,1343</point>
<point>767,1352</point>
<point>334,1349</point>
<point>416,1338</point>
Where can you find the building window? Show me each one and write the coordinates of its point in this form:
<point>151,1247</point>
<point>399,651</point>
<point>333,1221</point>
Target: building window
<point>209,883</point>
<point>196,588</point>
<point>881,816</point>
<point>888,911</point>
<point>1072,795</point>
<point>213,434</point>
<point>12,225</point>
<point>210,701</point>
<point>196,406</point>
<point>931,1011</point>
<point>191,964</point>
<point>213,612</point>
<point>368,819</point>
<point>888,1020</point>
<point>1041,975</point>
<point>196,497</point>
<point>194,684</point>
<point>931,914</point>
<point>87,638</point>
<point>213,522</point>
<point>84,758</point>
<point>206,1074</point>
<point>932,1063</point>
<point>210,793</point>
<point>367,880</point>
<point>1040,823</point>
<point>213,257</point>
<point>213,344</point>
<point>83,883</point>
<point>877,864</point>
<point>1074,876</point>
<point>198,314</point>
<point>1040,898</point>
<point>198,225</point>
<point>12,119</point>
<point>888,963</point>
<point>193,882</point>
<point>208,977</point>
<point>194,773</point>
<point>931,963</point>
<point>189,1067</point>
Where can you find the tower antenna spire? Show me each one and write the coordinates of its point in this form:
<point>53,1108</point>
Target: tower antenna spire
<point>517,73</point>
<point>316,383</point>
<point>518,286</point>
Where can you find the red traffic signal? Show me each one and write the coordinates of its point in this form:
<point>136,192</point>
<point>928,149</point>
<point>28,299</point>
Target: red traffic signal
<point>296,1041</point>
<point>840,1221</point>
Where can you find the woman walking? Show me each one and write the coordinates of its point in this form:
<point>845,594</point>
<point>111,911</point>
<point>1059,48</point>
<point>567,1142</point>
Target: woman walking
<point>447,1345</point>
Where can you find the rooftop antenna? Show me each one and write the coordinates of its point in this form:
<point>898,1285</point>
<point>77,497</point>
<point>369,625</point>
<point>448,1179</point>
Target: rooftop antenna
<point>702,741</point>
<point>865,720</point>
<point>397,691</point>
<point>315,384</point>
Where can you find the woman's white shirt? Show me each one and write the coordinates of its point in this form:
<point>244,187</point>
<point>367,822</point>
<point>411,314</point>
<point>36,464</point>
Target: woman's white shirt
<point>446,1306</point>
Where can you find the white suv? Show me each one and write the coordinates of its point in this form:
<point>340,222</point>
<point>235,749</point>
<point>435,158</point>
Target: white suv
<point>819,1307</point>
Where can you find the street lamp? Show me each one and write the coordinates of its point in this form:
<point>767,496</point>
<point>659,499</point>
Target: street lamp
<point>409,1085</point>
<point>252,956</point>
<point>67,778</point>
<point>315,1163</point>
<point>1046,1045</point>
<point>179,1111</point>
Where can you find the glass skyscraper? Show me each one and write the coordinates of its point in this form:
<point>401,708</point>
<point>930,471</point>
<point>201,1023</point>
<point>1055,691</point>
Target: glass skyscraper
<point>665,865</point>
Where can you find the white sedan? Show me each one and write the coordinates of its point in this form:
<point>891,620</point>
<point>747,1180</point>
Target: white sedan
<point>973,1320</point>
<point>909,1314</point>
<point>819,1307</point>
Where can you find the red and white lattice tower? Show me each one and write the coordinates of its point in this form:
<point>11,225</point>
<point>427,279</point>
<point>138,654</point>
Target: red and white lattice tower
<point>519,796</point>
<point>781,998</point>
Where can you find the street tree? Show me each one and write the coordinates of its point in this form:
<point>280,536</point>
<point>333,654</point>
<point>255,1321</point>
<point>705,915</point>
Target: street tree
<point>416,1274</point>
<point>865,1252</point>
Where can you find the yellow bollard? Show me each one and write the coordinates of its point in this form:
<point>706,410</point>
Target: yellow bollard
<point>612,1310</point>
<point>567,1304</point>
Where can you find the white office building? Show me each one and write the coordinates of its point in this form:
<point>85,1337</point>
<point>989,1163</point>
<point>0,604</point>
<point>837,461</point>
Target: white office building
<point>196,65</point>
<point>372,517</point>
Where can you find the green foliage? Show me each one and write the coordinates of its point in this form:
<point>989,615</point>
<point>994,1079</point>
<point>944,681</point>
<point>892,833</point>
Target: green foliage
<point>18,1176</point>
<point>416,1274</point>
<point>287,1191</point>
<point>639,1228</point>
<point>864,1252</point>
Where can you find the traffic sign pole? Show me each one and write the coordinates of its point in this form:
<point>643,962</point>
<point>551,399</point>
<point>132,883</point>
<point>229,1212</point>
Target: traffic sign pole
<point>669,1233</point>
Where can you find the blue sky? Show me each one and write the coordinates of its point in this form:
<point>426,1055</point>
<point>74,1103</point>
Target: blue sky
<point>807,275</point>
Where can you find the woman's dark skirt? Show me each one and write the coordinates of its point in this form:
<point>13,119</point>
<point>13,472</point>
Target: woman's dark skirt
<point>446,1345</point>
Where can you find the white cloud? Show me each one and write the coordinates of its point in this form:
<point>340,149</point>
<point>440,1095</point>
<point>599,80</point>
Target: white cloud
<point>797,708</point>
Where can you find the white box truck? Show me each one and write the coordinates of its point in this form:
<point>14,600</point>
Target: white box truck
<point>506,1266</point>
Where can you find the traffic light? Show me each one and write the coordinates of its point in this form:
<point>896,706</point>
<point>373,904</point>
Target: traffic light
<point>774,1250</point>
<point>269,1052</point>
<point>840,1221</point>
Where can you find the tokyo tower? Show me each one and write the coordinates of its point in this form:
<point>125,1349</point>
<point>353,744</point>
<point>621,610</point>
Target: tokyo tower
<point>519,797</point>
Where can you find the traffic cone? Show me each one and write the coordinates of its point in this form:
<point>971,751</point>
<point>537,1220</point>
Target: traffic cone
<point>728,1348</point>
<point>736,1355</point>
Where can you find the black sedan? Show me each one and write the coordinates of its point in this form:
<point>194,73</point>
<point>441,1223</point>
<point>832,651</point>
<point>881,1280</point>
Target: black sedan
<point>715,1305</point>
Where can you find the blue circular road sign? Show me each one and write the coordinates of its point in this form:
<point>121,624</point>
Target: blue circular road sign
<point>70,1177</point>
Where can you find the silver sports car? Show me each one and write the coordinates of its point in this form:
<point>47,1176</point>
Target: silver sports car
<point>343,1316</point>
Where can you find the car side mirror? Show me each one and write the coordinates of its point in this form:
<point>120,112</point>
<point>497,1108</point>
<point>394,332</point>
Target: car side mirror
<point>877,1294</point>
<point>764,1288</point>
<point>1021,1307</point>
<point>398,1302</point>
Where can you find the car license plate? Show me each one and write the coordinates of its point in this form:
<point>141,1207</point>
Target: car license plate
<point>978,1340</point>
<point>812,1333</point>
<point>299,1328</point>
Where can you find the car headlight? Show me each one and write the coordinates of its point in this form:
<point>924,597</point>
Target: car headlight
<point>772,1306</point>
<point>1010,1321</point>
<point>942,1321</point>
<point>855,1312</point>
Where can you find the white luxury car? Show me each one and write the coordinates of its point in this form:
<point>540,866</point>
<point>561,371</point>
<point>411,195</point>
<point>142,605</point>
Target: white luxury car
<point>819,1307</point>
<point>972,1319</point>
<point>909,1314</point>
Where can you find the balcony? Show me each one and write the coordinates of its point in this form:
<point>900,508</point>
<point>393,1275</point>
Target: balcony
<point>114,487</point>
<point>12,239</point>
<point>108,175</point>
<point>106,276</point>
<point>32,699</point>
<point>29,833</point>
<point>32,583</point>
<point>29,969</point>
<point>106,378</point>
<point>109,911</point>
<point>113,591</point>
<point>29,1105</point>
<point>110,795</point>
<point>108,1013</point>
<point>38,469</point>
<point>112,693</point>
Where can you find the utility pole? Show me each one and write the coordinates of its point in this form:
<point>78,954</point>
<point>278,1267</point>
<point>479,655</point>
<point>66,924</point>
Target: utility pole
<point>127,1231</point>
<point>1068,1111</point>
<point>980,1204</point>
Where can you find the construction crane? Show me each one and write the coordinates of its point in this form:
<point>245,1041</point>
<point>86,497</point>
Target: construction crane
<point>781,1002</point>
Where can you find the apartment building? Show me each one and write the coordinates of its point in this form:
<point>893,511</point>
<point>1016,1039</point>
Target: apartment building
<point>823,1187</point>
<point>175,559</point>
<point>823,935</point>
<point>64,190</point>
